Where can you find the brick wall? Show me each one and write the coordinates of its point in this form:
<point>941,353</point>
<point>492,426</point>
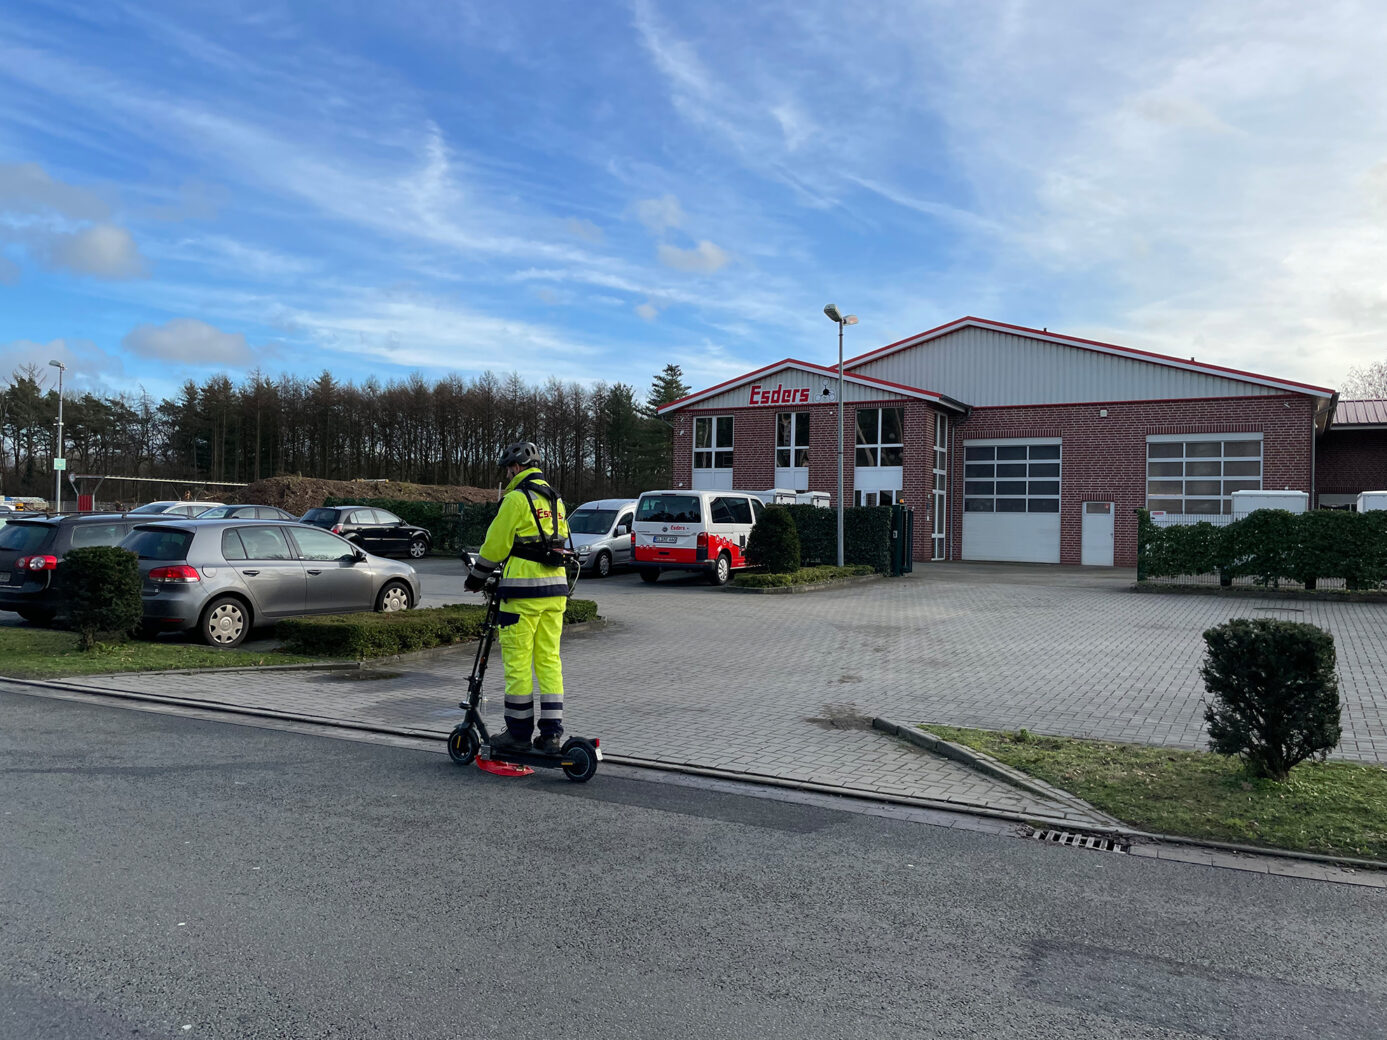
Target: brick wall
<point>1104,457</point>
<point>1351,461</point>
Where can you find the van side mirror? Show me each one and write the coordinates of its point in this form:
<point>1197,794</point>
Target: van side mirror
<point>623,528</point>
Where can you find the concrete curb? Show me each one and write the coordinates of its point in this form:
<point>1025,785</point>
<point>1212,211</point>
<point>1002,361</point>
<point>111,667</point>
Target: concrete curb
<point>818,586</point>
<point>991,767</point>
<point>1257,592</point>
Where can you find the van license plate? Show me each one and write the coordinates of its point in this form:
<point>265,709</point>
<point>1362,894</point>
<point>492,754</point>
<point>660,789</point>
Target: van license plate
<point>667,539</point>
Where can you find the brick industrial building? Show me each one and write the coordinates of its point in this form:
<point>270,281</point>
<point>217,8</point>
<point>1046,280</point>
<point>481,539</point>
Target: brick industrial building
<point>1023,445</point>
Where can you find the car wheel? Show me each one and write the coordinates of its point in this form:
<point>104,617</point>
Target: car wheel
<point>417,548</point>
<point>225,622</point>
<point>721,572</point>
<point>37,615</point>
<point>650,575</point>
<point>395,596</point>
<point>603,564</point>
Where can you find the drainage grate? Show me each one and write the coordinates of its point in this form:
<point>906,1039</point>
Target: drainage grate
<point>1080,841</point>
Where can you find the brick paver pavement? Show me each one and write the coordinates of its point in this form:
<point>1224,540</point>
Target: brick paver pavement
<point>782,685</point>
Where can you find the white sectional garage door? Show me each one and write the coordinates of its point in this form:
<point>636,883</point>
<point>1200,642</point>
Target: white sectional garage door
<point>1011,500</point>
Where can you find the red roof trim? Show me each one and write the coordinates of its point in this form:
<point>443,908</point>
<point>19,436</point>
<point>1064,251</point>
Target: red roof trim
<point>1084,344</point>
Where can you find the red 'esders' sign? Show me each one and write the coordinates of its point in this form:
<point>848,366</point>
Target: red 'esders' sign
<point>780,395</point>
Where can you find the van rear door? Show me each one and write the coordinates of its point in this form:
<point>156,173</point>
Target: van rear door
<point>730,523</point>
<point>667,527</point>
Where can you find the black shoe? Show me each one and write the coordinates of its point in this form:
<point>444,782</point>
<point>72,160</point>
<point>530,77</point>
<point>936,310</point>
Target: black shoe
<point>507,741</point>
<point>548,743</point>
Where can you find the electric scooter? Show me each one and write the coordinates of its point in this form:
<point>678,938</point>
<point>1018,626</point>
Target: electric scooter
<point>470,740</point>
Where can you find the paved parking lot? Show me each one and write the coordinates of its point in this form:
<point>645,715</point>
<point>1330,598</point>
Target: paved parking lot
<point>782,685</point>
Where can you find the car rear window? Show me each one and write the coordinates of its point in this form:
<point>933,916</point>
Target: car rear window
<point>98,534</point>
<point>159,543</point>
<point>26,538</point>
<point>664,509</point>
<point>321,517</point>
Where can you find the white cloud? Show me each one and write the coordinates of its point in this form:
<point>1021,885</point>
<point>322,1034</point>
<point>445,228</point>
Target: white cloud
<point>27,188</point>
<point>584,229</point>
<point>101,250</point>
<point>648,311</point>
<point>704,258</point>
<point>188,341</point>
<point>88,366</point>
<point>659,215</point>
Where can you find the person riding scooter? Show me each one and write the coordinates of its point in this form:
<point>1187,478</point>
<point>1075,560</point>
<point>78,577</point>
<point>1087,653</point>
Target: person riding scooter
<point>527,537</point>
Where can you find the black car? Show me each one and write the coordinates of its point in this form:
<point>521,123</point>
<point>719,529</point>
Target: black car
<point>378,531</point>
<point>32,548</point>
<point>246,512</point>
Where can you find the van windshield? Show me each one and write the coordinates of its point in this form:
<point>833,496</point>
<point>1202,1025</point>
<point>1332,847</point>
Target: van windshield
<point>665,509</point>
<point>591,521</point>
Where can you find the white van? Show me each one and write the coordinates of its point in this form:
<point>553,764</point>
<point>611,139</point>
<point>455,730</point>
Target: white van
<point>694,531</point>
<point>601,534</point>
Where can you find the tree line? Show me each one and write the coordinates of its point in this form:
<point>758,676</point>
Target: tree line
<point>598,439</point>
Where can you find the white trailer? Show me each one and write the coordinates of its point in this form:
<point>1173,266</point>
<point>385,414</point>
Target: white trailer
<point>813,498</point>
<point>1370,500</point>
<point>1245,502</point>
<point>777,496</point>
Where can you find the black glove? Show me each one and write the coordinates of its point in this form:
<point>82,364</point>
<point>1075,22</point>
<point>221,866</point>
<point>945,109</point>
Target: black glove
<point>474,582</point>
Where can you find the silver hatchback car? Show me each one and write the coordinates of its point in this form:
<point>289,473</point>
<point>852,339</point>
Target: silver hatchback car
<point>223,577</point>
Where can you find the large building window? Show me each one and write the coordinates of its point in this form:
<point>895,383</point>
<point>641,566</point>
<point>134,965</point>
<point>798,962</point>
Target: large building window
<point>713,442</point>
<point>791,440</point>
<point>1199,473</point>
<point>1011,478</point>
<point>880,436</point>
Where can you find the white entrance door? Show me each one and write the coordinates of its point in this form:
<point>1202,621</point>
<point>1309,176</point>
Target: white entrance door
<point>1097,534</point>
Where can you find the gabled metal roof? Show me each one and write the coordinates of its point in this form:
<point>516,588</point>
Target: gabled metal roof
<point>1092,345</point>
<point>815,370</point>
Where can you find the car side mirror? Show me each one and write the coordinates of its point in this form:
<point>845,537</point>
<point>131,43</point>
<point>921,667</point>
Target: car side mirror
<point>358,556</point>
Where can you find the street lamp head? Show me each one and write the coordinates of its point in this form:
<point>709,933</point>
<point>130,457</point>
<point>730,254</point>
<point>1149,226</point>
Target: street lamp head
<point>834,314</point>
<point>851,319</point>
<point>58,364</point>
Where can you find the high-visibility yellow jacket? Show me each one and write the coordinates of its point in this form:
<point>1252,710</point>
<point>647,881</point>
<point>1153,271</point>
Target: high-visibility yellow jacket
<point>515,526</point>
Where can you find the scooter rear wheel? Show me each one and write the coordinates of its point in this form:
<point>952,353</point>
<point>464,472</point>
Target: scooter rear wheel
<point>463,744</point>
<point>580,760</point>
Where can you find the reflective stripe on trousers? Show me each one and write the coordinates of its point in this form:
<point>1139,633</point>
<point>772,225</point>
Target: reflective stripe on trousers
<point>529,651</point>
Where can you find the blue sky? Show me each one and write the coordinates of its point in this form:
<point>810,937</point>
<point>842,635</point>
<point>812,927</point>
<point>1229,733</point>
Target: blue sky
<point>592,190</point>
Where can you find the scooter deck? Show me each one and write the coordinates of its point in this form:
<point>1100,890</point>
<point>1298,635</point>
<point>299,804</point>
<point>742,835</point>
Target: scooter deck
<point>525,758</point>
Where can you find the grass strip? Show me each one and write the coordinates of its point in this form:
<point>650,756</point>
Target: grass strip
<point>803,576</point>
<point>39,653</point>
<point>1335,808</point>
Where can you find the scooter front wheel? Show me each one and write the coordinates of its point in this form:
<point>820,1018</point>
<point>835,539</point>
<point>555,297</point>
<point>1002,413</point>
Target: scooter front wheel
<point>463,744</point>
<point>580,760</point>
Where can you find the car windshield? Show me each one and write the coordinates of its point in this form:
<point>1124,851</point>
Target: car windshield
<point>320,516</point>
<point>217,513</point>
<point>152,507</point>
<point>664,509</point>
<point>21,537</point>
<point>591,521</point>
<point>158,543</point>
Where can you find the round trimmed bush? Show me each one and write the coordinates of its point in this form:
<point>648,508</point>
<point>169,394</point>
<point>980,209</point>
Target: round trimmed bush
<point>100,587</point>
<point>1275,696</point>
<point>774,542</point>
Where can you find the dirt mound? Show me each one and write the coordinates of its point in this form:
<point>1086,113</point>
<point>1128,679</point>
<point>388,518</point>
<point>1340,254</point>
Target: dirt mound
<point>300,494</point>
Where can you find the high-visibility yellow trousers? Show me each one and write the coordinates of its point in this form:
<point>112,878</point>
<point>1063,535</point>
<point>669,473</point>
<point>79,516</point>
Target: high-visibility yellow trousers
<point>530,651</point>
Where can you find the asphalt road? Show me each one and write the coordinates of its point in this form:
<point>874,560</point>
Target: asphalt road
<point>170,877</point>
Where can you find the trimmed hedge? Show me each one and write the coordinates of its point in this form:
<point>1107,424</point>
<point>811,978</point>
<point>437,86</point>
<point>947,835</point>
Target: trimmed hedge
<point>452,528</point>
<point>100,589</point>
<point>803,576</point>
<point>1270,546</point>
<point>866,535</point>
<point>382,635</point>
<point>774,542</point>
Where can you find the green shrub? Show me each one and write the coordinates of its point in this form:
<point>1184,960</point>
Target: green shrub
<point>866,535</point>
<point>1275,695</point>
<point>774,542</point>
<point>382,635</point>
<point>100,589</point>
<point>802,576</point>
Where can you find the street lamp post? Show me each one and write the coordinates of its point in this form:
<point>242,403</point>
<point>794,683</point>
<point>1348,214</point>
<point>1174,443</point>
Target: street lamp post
<point>58,452</point>
<point>837,317</point>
